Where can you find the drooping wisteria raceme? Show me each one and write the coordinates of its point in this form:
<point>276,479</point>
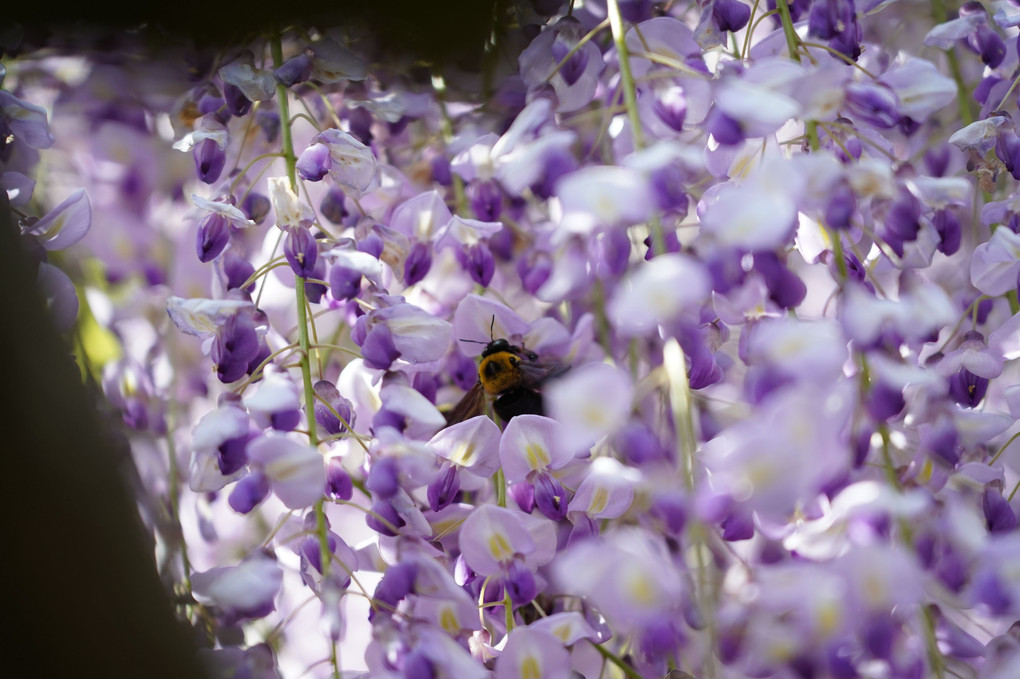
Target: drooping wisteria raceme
<point>771,250</point>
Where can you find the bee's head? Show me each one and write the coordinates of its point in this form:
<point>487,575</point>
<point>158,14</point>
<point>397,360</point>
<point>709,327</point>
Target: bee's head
<point>497,346</point>
<point>500,370</point>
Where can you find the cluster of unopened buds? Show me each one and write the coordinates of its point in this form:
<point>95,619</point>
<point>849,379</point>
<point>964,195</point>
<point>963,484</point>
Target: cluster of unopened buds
<point>687,348</point>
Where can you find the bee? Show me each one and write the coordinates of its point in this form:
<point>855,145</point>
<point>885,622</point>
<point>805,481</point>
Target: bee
<point>511,373</point>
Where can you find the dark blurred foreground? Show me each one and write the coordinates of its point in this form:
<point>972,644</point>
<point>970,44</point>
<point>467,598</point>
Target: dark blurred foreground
<point>448,31</point>
<point>82,596</point>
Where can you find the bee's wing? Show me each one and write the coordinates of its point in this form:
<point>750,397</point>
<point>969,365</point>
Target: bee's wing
<point>471,405</point>
<point>537,372</point>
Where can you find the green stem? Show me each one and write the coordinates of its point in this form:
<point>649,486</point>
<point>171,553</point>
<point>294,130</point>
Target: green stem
<point>811,129</point>
<point>601,320</point>
<point>508,612</point>
<point>935,659</point>
<point>500,481</point>
<point>174,492</point>
<point>630,103</point>
<point>675,364</point>
<point>837,251</point>
<point>446,125</point>
<point>752,24</point>
<point>792,41</point>
<point>939,14</point>
<point>304,343</point>
<point>626,77</point>
<point>1001,450</point>
<point>962,100</point>
<point>1014,305</point>
<point>616,660</point>
<point>585,39</point>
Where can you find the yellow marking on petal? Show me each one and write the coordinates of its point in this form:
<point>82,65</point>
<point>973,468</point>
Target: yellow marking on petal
<point>829,618</point>
<point>594,415</point>
<point>742,167</point>
<point>464,455</point>
<point>448,620</point>
<point>598,501</point>
<point>781,650</point>
<point>605,206</point>
<point>926,472</point>
<point>499,548</point>
<point>562,632</point>
<point>874,589</point>
<point>537,456</point>
<point>530,668</point>
<point>641,590</point>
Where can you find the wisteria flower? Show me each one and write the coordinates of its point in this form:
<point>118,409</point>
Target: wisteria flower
<point>759,270</point>
<point>295,472</point>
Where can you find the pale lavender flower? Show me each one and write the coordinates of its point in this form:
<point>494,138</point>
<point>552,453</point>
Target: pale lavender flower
<point>26,121</point>
<point>979,136</point>
<point>784,456</point>
<point>288,208</point>
<point>296,471</point>
<point>60,296</point>
<point>756,214</point>
<point>422,217</point>
<point>476,317</point>
<point>532,652</point>
<point>221,435</point>
<point>246,590</point>
<point>568,627</point>
<point>606,492</point>
<point>418,336</point>
<point>604,196</point>
<point>809,351</point>
<point>628,575</point>
<point>333,62</point>
<point>658,293</point>
<point>532,443</point>
<point>589,402</point>
<point>275,403</point>
<point>995,265</point>
<point>759,99</point>
<point>19,187</point>
<point>496,541</point>
<point>575,84</point>
<point>472,445</point>
<point>665,37</point>
<point>353,165</point>
<point>254,84</point>
<point>202,317</point>
<point>64,225</point>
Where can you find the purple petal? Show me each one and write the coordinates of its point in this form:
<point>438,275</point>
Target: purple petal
<point>301,250</point>
<point>730,15</point>
<point>295,471</point>
<point>249,492</point>
<point>314,162</point>
<point>491,536</point>
<point>210,160</point>
<point>60,295</point>
<point>66,224</point>
<point>212,238</point>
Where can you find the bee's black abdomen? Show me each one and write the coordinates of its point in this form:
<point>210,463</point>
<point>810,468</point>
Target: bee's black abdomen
<point>519,401</point>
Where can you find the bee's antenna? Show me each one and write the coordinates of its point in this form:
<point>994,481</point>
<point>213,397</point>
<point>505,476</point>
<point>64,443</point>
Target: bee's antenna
<point>475,341</point>
<point>491,326</point>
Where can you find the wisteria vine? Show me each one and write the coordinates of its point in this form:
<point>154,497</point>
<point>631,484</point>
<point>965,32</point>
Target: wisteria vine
<point>773,250</point>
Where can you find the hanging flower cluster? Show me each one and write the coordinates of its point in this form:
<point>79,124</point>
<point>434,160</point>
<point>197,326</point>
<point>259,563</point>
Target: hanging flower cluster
<point>742,282</point>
